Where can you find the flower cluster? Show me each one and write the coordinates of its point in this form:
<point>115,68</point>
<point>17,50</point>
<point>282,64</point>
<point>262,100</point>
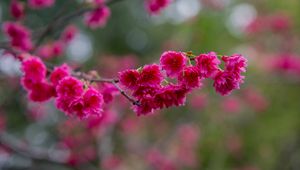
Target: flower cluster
<point>71,95</point>
<point>286,63</point>
<point>17,9</point>
<point>34,80</point>
<point>57,48</point>
<point>274,23</point>
<point>98,17</point>
<point>231,78</point>
<point>19,35</point>
<point>150,87</point>
<point>155,6</point>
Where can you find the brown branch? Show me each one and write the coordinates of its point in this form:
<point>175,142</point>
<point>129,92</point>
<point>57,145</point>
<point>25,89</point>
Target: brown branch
<point>105,80</point>
<point>38,155</point>
<point>132,100</point>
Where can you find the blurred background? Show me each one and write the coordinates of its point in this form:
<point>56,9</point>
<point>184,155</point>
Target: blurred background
<point>255,128</point>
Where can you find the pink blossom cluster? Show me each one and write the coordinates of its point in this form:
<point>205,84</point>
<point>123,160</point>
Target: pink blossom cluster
<point>51,50</point>
<point>17,9</point>
<point>71,95</point>
<point>69,34</point>
<point>34,80</point>
<point>18,35</point>
<point>155,6</point>
<point>99,16</point>
<point>57,48</point>
<point>39,4</point>
<point>275,23</point>
<point>150,87</point>
<point>286,63</point>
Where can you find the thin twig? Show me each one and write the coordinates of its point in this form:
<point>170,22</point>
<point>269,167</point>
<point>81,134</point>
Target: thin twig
<point>105,80</point>
<point>132,100</point>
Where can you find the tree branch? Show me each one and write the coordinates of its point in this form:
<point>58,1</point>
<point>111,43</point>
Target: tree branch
<point>26,151</point>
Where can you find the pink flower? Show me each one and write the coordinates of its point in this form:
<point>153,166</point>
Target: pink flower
<point>231,78</point>
<point>109,91</point>
<point>69,87</point>
<point>77,108</point>
<point>155,6</point>
<point>19,35</point>
<point>280,22</point>
<point>172,62</point>
<point>170,95</point>
<point>231,105</point>
<point>58,48</point>
<point>41,92</point>
<point>17,9</point>
<point>98,17</point>
<point>235,63</point>
<point>93,101</point>
<point>34,69</point>
<point>74,101</point>
<point>189,134</point>
<point>256,26</point>
<point>45,51</point>
<point>63,104</point>
<point>145,91</point>
<point>107,118</point>
<point>27,83</point>
<point>208,64</point>
<point>225,82</point>
<point>39,4</point>
<point>255,100</point>
<point>59,73</point>
<point>128,78</point>
<point>286,63</point>
<point>150,76</point>
<point>146,106</point>
<point>189,77</point>
<point>69,33</point>
<point>199,101</point>
<point>52,49</point>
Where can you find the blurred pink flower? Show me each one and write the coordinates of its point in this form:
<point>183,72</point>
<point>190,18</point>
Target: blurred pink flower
<point>39,4</point>
<point>19,35</point>
<point>231,105</point>
<point>255,99</point>
<point>17,9</point>
<point>198,102</point>
<point>69,33</point>
<point>98,17</point>
<point>155,6</point>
